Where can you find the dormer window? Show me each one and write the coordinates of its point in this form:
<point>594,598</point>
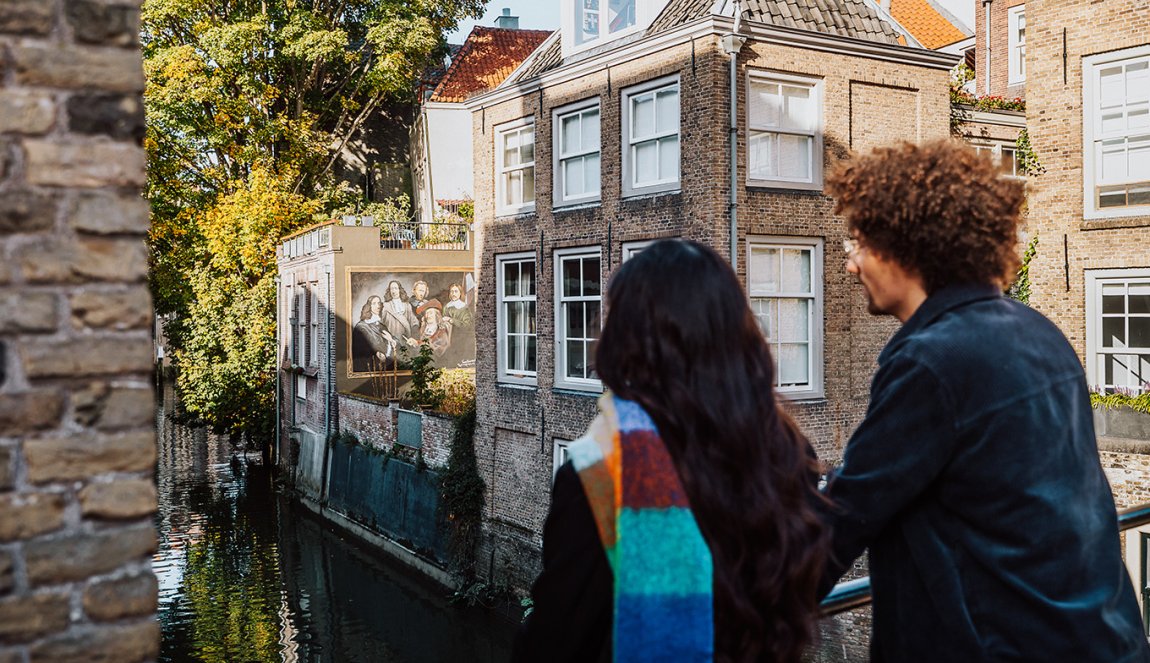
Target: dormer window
<point>599,19</point>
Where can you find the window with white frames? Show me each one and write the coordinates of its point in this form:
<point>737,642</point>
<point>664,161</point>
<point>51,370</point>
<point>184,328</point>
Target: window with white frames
<point>577,147</point>
<point>651,137</point>
<point>559,455</point>
<point>1016,45</point>
<point>784,131</point>
<point>1116,133</point>
<point>632,249</point>
<point>784,281</point>
<point>515,168</point>
<point>515,319</point>
<point>597,19</point>
<point>301,323</point>
<point>1006,156</point>
<point>1118,329</point>
<point>577,305</point>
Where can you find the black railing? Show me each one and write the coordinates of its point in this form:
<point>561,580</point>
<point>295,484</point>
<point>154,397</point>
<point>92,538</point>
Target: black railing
<point>847,596</point>
<point>433,236</point>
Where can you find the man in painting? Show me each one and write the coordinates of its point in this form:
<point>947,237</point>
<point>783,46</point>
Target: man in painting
<point>373,347</point>
<point>457,315</point>
<point>419,292</point>
<point>434,331</point>
<point>398,318</point>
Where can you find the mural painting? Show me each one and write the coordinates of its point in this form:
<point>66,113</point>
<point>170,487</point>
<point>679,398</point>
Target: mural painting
<point>392,313</point>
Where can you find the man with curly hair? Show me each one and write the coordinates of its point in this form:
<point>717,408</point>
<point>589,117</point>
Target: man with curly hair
<point>974,480</point>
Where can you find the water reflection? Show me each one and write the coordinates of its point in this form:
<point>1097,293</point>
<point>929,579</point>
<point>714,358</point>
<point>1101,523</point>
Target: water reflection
<point>246,575</point>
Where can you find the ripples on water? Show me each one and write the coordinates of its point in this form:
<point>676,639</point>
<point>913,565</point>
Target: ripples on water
<point>246,576</point>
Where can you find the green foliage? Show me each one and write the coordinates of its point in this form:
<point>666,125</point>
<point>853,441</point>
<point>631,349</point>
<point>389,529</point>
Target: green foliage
<point>483,594</point>
<point>1020,289</point>
<point>1123,398</point>
<point>384,215</point>
<point>461,495</point>
<point>1028,161</point>
<point>424,392</point>
<point>458,388</point>
<point>528,605</point>
<point>962,102</point>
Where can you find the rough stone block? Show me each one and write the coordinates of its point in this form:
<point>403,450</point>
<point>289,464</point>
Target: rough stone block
<point>26,618</point>
<point>113,408</point>
<point>26,17</point>
<point>76,557</point>
<point>85,164</point>
<point>117,116</point>
<point>77,456</point>
<point>46,358</point>
<point>25,211</point>
<point>119,309</point>
<point>134,596</point>
<point>7,473</point>
<point>110,214</point>
<point>27,412</point>
<point>70,67</point>
<point>6,580</point>
<point>121,643</point>
<point>88,259</point>
<point>25,112</point>
<point>13,655</point>
<point>118,500</point>
<point>26,515</point>
<point>103,23</point>
<point>28,312</point>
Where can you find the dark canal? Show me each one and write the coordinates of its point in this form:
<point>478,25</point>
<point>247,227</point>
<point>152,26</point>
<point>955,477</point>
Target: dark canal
<point>246,575</point>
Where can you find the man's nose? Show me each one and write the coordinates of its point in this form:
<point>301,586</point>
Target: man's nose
<point>851,267</point>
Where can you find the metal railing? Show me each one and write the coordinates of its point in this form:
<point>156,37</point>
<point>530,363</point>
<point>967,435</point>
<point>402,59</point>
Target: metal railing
<point>435,236</point>
<point>847,596</point>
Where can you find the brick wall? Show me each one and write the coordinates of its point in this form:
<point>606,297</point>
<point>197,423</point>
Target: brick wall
<point>999,45</point>
<point>77,446</point>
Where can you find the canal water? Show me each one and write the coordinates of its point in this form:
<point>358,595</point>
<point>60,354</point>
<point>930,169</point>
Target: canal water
<point>246,575</point>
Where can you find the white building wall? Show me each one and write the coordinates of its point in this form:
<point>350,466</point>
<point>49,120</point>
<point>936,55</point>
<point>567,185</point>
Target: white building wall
<point>446,169</point>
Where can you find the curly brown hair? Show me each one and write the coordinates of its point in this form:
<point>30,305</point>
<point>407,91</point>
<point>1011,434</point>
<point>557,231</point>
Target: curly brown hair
<point>940,210</point>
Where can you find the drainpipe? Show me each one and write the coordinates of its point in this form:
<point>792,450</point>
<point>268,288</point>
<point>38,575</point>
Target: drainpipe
<point>327,393</point>
<point>732,44</point>
<point>986,51</point>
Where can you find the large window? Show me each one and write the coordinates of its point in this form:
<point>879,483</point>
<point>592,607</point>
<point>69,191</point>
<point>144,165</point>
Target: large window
<point>577,154</point>
<point>784,280</point>
<point>595,19</point>
<point>577,299</point>
<point>784,138</point>
<point>1016,67</point>
<point>651,137</point>
<point>1006,156</point>
<point>1118,329</point>
<point>515,321</point>
<point>515,168</point>
<point>1116,128</point>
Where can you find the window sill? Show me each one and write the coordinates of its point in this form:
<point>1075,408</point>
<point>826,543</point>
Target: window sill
<point>785,187</point>
<point>568,390</point>
<point>576,206</point>
<point>515,212</point>
<point>518,386</point>
<point>804,398</point>
<point>1140,219</point>
<point>647,197</point>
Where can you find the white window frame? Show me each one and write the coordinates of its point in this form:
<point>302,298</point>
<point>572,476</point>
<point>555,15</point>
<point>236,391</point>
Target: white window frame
<point>630,188</point>
<point>1095,279</point>
<point>523,377</point>
<point>572,30</point>
<point>997,152</point>
<point>561,379</point>
<point>559,158</point>
<point>501,133</point>
<point>816,324</point>
<point>632,249</point>
<point>1016,45</point>
<point>815,181</point>
<point>1092,131</point>
<point>301,387</point>
<point>559,454</point>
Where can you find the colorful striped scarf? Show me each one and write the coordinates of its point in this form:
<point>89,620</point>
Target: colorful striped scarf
<point>661,563</point>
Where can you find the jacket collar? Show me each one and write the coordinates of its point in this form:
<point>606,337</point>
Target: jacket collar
<point>938,303</point>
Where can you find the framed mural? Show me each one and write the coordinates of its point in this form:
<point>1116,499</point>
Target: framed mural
<point>392,312</point>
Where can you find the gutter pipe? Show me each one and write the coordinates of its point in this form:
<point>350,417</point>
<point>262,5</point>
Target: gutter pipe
<point>732,44</point>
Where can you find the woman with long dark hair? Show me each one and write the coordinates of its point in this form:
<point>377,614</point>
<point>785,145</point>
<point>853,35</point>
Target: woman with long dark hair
<point>684,527</point>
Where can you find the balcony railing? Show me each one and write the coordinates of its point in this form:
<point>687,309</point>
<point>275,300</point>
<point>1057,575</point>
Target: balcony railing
<point>434,236</point>
<point>847,596</point>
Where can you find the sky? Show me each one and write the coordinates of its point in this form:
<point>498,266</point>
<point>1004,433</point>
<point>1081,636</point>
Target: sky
<point>533,15</point>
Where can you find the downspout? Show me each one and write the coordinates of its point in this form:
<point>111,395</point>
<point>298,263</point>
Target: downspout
<point>323,486</point>
<point>732,43</point>
<point>986,33</point>
<point>426,131</point>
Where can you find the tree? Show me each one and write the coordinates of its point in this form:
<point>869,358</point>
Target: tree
<point>250,103</point>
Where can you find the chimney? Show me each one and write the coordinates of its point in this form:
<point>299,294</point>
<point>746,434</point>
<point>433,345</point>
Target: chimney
<point>507,21</point>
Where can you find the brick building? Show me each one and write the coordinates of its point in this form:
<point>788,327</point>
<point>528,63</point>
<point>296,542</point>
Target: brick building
<point>578,164</point>
<point>999,59</point>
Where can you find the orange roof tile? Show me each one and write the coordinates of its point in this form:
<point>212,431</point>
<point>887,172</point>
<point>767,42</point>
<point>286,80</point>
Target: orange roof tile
<point>487,58</point>
<point>925,23</point>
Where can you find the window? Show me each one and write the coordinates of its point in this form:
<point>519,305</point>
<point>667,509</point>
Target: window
<point>301,328</point>
<point>632,249</point>
<point>559,455</point>
<point>577,273</point>
<point>1116,128</point>
<point>1006,156</point>
<point>515,321</point>
<point>595,19</point>
<point>289,313</point>
<point>784,131</point>
<point>1118,329</point>
<point>577,154</point>
<point>651,137</point>
<point>784,280</point>
<point>301,386</point>
<point>515,168</point>
<point>314,317</point>
<point>1016,68</point>
<point>306,326</point>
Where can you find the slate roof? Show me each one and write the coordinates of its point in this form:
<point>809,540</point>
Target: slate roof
<point>845,18</point>
<point>488,56</point>
<point>926,23</point>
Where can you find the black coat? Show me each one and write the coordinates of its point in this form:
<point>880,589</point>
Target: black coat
<point>975,482</point>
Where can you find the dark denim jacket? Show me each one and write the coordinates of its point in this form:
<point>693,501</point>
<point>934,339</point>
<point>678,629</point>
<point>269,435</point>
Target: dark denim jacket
<point>975,482</point>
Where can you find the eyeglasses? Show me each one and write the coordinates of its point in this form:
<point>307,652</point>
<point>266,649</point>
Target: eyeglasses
<point>852,247</point>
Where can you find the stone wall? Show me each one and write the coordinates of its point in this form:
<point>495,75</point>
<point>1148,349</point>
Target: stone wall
<point>77,445</point>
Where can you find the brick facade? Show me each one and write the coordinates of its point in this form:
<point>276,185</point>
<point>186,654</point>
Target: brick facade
<point>518,426</point>
<point>998,44</point>
<point>77,445</point>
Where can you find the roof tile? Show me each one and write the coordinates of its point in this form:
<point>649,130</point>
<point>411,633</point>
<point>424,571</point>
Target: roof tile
<point>926,23</point>
<point>487,58</point>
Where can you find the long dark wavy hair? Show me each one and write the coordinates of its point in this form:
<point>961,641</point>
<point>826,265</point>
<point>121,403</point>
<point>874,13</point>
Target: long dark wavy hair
<point>680,339</point>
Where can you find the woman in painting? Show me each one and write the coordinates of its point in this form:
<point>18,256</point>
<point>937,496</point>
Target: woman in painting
<point>434,331</point>
<point>456,311</point>
<point>372,346</point>
<point>684,526</point>
<point>398,318</point>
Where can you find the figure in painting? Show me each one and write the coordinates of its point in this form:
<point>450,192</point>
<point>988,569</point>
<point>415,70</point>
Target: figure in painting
<point>419,292</point>
<point>434,330</point>
<point>373,346</point>
<point>457,315</point>
<point>398,318</point>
